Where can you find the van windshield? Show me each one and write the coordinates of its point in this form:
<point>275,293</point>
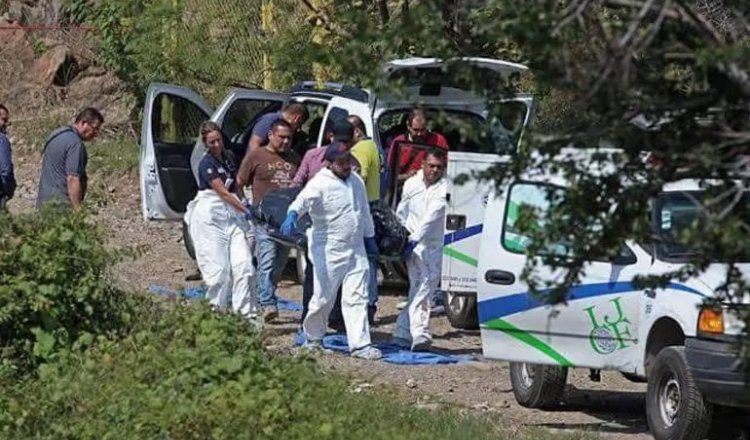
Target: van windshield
<point>677,213</point>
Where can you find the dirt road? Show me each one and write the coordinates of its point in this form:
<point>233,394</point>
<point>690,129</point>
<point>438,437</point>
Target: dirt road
<point>613,408</point>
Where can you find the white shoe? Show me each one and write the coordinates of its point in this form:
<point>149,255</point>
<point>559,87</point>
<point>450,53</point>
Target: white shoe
<point>369,353</point>
<point>421,344</point>
<point>402,305</point>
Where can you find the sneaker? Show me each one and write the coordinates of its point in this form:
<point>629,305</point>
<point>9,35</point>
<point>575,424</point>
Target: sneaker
<point>402,305</point>
<point>270,313</point>
<point>421,344</point>
<point>369,353</point>
<point>401,342</point>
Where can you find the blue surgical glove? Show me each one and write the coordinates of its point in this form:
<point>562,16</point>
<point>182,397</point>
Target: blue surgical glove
<point>371,246</point>
<point>290,223</point>
<point>408,249</point>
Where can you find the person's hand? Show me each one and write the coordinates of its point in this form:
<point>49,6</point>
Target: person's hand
<point>290,223</point>
<point>408,249</point>
<point>371,246</point>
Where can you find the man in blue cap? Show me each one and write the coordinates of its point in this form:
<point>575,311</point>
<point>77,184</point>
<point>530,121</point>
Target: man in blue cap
<point>340,239</point>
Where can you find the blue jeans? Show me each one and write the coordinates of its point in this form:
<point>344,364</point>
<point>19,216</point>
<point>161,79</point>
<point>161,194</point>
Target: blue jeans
<point>272,257</point>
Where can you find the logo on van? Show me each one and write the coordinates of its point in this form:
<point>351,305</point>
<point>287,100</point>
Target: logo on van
<point>608,336</point>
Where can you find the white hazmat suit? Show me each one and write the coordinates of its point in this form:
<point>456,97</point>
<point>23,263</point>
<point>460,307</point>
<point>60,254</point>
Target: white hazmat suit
<point>222,252</point>
<point>422,210</point>
<point>341,219</point>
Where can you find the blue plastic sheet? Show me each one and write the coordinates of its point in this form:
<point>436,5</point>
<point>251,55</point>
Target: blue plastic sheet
<point>393,354</point>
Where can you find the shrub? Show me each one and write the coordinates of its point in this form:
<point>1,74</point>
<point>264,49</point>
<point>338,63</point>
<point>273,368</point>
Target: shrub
<point>190,373</point>
<point>53,286</point>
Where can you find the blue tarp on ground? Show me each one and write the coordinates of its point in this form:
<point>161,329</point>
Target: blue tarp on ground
<point>393,354</point>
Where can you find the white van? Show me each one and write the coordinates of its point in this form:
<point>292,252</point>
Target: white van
<point>170,150</point>
<point>663,336</point>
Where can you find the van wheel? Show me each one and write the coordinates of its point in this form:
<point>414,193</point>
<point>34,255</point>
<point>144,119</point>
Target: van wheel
<point>538,386</point>
<point>675,408</point>
<point>188,241</point>
<point>461,310</point>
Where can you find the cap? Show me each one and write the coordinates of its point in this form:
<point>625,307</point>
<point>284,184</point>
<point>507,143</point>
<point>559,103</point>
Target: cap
<point>336,151</point>
<point>343,131</point>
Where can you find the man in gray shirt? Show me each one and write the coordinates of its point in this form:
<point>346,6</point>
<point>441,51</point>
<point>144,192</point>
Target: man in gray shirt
<point>64,161</point>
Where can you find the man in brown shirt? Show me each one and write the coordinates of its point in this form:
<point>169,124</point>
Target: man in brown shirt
<point>271,167</point>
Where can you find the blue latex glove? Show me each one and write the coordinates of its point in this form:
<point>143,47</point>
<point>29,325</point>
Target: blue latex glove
<point>408,249</point>
<point>290,223</point>
<point>372,246</point>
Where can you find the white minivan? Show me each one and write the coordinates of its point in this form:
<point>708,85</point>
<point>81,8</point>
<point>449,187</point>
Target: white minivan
<point>663,336</point>
<point>170,149</point>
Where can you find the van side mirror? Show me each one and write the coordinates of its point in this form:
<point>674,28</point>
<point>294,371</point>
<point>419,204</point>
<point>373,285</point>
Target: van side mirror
<point>624,257</point>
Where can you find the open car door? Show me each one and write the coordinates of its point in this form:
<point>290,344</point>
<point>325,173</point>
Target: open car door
<point>236,116</point>
<point>171,119</point>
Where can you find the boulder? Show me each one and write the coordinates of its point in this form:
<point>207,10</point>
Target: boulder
<point>104,90</point>
<point>56,67</point>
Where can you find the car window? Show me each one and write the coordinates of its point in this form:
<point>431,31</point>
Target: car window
<point>175,120</point>
<point>244,110</point>
<point>464,131</point>
<point>526,212</point>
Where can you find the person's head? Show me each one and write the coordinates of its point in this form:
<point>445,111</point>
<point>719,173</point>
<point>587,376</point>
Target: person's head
<point>4,118</point>
<point>212,137</point>
<point>339,159</point>
<point>88,123</point>
<point>342,131</point>
<point>295,114</point>
<point>433,166</point>
<point>416,124</point>
<point>360,132</point>
<point>280,136</point>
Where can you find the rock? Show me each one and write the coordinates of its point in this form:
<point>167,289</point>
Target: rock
<point>411,383</point>
<point>55,67</point>
<point>15,49</point>
<point>484,407</point>
<point>103,90</point>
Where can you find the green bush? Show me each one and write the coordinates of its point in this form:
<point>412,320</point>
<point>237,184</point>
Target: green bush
<point>53,286</point>
<point>190,373</point>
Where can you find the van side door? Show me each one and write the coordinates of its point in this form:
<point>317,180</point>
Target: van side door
<point>595,328</point>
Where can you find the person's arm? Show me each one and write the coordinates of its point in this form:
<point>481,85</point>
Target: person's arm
<point>255,142</point>
<point>368,225</point>
<point>75,167</point>
<point>363,160</point>
<point>402,210</point>
<point>231,199</point>
<point>303,172</point>
<point>75,191</point>
<point>7,176</point>
<point>305,199</point>
<point>434,213</point>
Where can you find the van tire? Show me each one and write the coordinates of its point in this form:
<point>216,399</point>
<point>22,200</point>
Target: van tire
<point>536,385</point>
<point>461,310</point>
<point>188,241</point>
<point>669,379</point>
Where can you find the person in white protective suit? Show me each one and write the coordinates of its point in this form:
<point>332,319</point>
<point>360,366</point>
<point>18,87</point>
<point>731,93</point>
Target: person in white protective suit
<point>217,225</point>
<point>422,210</point>
<point>340,238</point>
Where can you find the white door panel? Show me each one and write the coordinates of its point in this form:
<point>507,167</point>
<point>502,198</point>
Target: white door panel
<point>171,118</point>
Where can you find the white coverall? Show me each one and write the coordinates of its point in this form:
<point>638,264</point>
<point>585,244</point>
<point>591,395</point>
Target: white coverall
<point>422,210</point>
<point>223,253</point>
<point>341,219</point>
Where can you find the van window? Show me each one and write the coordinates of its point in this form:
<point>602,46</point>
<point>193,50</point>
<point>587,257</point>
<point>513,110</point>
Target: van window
<point>678,214</point>
<point>526,211</point>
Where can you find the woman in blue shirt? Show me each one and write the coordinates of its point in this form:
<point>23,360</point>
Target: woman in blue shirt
<point>217,224</point>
